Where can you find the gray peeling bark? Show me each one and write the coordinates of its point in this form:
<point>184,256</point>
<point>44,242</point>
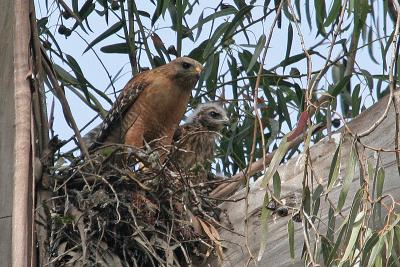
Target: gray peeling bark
<point>291,173</point>
<point>22,178</point>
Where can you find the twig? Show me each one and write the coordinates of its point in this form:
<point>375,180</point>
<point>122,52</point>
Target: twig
<point>230,187</point>
<point>208,216</point>
<point>131,176</point>
<point>395,104</point>
<point>116,198</point>
<point>257,124</point>
<point>179,13</point>
<point>141,29</point>
<point>69,11</point>
<point>64,103</point>
<point>335,34</point>
<point>39,98</point>
<point>102,64</point>
<point>391,75</point>
<point>81,228</point>
<point>130,35</point>
<point>309,61</point>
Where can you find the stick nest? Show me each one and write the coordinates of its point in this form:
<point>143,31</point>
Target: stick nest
<point>124,208</point>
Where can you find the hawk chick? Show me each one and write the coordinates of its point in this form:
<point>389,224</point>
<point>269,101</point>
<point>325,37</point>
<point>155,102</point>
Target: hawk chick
<point>195,140</point>
<point>151,105</point>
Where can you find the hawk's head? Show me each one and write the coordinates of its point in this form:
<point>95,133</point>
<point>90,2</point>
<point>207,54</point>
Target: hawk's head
<point>210,115</point>
<point>186,70</point>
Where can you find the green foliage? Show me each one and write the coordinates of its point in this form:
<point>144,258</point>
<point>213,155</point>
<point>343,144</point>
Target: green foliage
<point>230,39</point>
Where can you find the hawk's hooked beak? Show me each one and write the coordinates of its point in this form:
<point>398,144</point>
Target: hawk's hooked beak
<point>198,70</point>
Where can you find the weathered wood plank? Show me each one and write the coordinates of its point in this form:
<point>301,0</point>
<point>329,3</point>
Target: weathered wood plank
<point>5,241</point>
<point>277,252</point>
<point>7,128</point>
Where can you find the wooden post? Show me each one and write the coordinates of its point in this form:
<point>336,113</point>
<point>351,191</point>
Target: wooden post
<point>7,130</point>
<point>15,135</point>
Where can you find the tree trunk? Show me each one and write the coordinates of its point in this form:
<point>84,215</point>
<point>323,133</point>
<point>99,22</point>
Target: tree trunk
<point>291,174</point>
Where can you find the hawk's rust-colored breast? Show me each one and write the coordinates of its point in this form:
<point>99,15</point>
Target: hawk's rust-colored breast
<point>151,105</point>
<point>156,113</point>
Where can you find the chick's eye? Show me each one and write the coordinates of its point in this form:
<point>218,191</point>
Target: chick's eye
<point>214,114</point>
<point>186,65</point>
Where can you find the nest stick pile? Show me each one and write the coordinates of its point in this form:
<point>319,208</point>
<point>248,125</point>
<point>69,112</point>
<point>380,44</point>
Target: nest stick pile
<point>124,208</point>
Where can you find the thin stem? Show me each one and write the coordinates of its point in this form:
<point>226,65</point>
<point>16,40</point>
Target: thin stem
<point>65,106</point>
<point>391,75</point>
<point>131,39</point>
<point>256,125</point>
<point>327,65</point>
<point>142,32</point>
<point>309,62</point>
<point>179,13</point>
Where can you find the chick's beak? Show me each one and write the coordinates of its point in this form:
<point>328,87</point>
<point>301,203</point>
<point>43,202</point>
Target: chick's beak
<point>226,122</point>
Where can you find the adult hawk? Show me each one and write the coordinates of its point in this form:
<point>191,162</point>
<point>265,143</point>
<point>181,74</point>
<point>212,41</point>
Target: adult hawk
<point>150,106</point>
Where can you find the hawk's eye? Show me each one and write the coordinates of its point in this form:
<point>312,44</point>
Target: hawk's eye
<point>186,65</point>
<point>214,114</point>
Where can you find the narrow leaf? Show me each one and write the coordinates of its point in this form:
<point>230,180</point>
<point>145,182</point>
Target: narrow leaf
<point>351,166</point>
<point>79,75</point>
<point>239,17</point>
<point>339,86</point>
<point>216,35</point>
<point>257,52</point>
<point>355,101</point>
<point>64,75</point>
<point>295,58</point>
<point>335,166</point>
<point>264,226</point>
<point>369,244</point>
<point>284,112</point>
<point>277,185</point>
<point>119,48</point>
<point>376,251</point>
<point>113,29</point>
<point>221,13</point>
<point>353,238</point>
<point>276,160</point>
<point>201,22</point>
<point>334,13</point>
<point>289,43</point>
<point>291,238</point>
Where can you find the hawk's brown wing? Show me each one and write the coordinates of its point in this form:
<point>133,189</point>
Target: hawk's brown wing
<point>125,100</point>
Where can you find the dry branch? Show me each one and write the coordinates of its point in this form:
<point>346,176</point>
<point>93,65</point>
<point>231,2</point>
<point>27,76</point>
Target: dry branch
<point>64,103</point>
<point>227,189</point>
